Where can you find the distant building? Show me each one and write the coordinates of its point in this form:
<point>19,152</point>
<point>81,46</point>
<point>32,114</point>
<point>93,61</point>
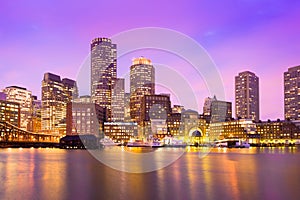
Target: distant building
<point>83,99</point>
<point>85,118</point>
<point>177,109</point>
<point>10,112</point>
<point>155,109</point>
<point>23,97</point>
<point>2,96</point>
<point>121,131</point>
<point>103,72</point>
<point>247,96</point>
<point>291,93</point>
<point>117,104</point>
<point>207,105</point>
<point>56,93</point>
<point>217,111</point>
<point>127,117</point>
<point>35,124</point>
<point>142,82</point>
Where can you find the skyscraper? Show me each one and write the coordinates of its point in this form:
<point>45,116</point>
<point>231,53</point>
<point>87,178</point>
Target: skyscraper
<point>247,96</point>
<point>23,97</point>
<point>56,93</point>
<point>117,104</point>
<point>103,72</point>
<point>291,93</point>
<point>142,82</point>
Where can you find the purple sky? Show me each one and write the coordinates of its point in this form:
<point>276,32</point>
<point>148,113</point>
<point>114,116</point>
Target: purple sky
<point>262,36</point>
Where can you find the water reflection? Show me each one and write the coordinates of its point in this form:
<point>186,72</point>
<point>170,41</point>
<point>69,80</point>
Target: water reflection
<point>256,173</point>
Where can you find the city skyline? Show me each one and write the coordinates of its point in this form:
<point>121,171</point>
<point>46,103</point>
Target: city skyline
<point>237,39</point>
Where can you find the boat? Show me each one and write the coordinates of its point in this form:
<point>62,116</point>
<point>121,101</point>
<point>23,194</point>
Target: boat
<point>157,144</point>
<point>138,143</point>
<point>176,143</point>
<point>232,143</point>
<point>242,144</point>
<point>106,141</point>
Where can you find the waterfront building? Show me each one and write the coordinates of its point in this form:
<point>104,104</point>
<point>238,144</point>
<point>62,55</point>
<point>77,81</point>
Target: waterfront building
<point>23,97</point>
<point>190,122</point>
<point>247,96</point>
<point>291,93</point>
<point>84,118</point>
<point>56,93</point>
<point>10,112</point>
<point>244,129</point>
<point>279,132</point>
<point>142,82</point>
<point>121,132</point>
<point>118,101</point>
<point>103,72</point>
<point>174,124</point>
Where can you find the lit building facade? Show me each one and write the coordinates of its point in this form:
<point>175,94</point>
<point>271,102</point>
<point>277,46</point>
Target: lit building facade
<point>55,96</point>
<point>23,97</point>
<point>217,111</point>
<point>118,101</point>
<point>280,132</point>
<point>10,112</point>
<point>247,96</point>
<point>244,129</point>
<point>142,82</point>
<point>291,93</point>
<point>121,132</point>
<point>155,110</point>
<point>127,117</point>
<point>103,72</point>
<point>174,124</point>
<point>35,124</point>
<point>85,118</point>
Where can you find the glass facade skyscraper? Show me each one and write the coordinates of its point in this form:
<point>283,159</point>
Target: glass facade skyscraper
<point>142,82</point>
<point>56,93</point>
<point>291,93</point>
<point>103,72</point>
<point>247,96</point>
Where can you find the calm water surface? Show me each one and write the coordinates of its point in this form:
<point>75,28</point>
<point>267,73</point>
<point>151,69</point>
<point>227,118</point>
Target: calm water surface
<point>265,173</point>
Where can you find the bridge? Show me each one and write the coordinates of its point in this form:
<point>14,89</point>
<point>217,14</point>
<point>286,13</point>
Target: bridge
<point>12,136</point>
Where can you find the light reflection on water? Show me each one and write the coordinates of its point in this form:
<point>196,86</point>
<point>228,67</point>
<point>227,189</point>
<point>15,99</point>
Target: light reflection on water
<point>255,173</point>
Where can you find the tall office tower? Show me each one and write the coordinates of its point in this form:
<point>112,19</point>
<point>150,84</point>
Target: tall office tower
<point>55,96</point>
<point>291,93</point>
<point>23,97</point>
<point>117,101</point>
<point>70,88</point>
<point>35,125</point>
<point>103,72</point>
<point>142,82</point>
<point>127,117</point>
<point>247,96</point>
